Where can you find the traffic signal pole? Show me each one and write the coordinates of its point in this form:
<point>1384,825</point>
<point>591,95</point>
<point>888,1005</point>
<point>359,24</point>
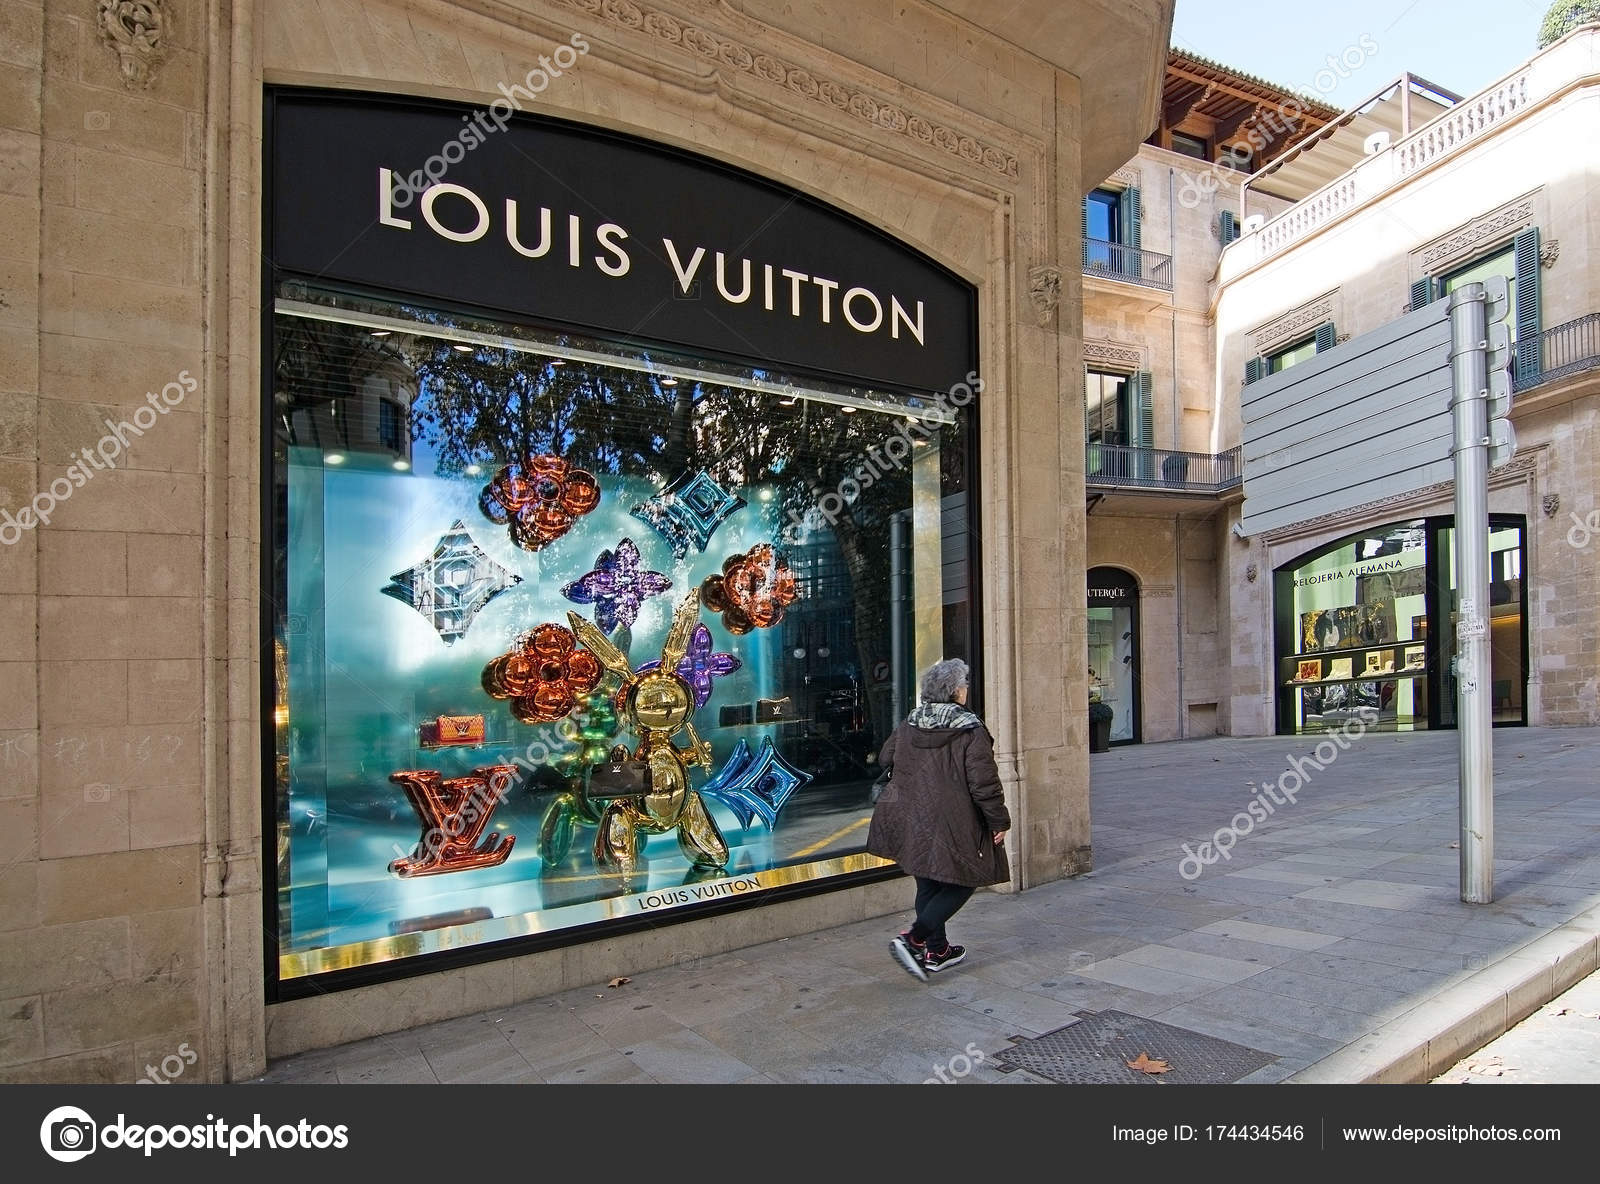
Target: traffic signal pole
<point>1470,414</point>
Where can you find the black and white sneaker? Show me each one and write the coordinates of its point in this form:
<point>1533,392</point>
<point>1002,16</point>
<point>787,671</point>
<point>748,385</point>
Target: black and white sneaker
<point>909,956</point>
<point>939,959</point>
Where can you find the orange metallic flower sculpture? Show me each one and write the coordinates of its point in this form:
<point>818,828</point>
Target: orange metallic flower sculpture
<point>752,591</point>
<point>543,675</point>
<point>541,499</point>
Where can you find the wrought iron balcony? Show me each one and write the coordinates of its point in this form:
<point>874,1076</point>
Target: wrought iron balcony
<point>1114,261</point>
<point>1121,466</point>
<point>1566,349</point>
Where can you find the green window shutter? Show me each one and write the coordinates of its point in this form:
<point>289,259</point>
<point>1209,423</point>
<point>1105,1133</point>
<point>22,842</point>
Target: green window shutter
<point>1230,227</point>
<point>1130,216</point>
<point>1255,369</point>
<point>1144,423</point>
<point>1327,337</point>
<point>1422,292</point>
<point>1529,326</point>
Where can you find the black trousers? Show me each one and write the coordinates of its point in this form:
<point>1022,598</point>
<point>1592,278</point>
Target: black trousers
<point>937,902</point>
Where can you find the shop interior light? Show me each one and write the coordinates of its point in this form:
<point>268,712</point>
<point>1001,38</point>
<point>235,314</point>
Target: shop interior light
<point>382,332</point>
<point>558,361</point>
<point>466,349</point>
<point>474,470</point>
<point>850,410</point>
<point>402,465</point>
<point>334,458</point>
<point>669,382</point>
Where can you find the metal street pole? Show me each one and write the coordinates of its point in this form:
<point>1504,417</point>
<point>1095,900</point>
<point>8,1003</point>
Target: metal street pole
<point>1469,411</point>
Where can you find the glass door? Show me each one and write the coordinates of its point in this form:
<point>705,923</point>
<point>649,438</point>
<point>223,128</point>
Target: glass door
<point>1508,677</point>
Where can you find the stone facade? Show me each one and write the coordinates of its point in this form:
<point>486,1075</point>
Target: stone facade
<point>130,215</point>
<point>1524,157</point>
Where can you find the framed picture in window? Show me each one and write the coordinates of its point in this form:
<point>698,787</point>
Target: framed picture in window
<point>1341,668</point>
<point>1310,671</point>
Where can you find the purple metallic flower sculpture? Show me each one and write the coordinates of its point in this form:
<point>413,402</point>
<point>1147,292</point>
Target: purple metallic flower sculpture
<point>700,665</point>
<point>616,587</point>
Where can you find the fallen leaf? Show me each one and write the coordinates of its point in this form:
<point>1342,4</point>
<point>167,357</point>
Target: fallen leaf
<point>1143,1063</point>
<point>619,980</point>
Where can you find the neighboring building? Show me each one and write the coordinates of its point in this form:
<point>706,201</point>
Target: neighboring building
<point>1156,482</point>
<point>1337,228</point>
<point>405,314</point>
<point>1501,182</point>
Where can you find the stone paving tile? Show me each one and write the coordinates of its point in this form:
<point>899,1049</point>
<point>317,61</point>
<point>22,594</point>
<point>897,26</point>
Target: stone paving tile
<point>1317,1019</point>
<point>1022,1011</point>
<point>687,1058</point>
<point>1273,871</point>
<point>760,1039</point>
<point>1214,1019</point>
<point>1204,966</point>
<point>1287,936</point>
<point>610,1067</point>
<point>1120,972</point>
<point>1382,894</point>
<point>1252,952</point>
<point>1408,981</point>
<point>484,1058</point>
<point>1404,956</point>
<point>397,1069</point>
<point>1367,999</point>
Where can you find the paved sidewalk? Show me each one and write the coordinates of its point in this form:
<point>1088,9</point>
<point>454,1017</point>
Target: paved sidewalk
<point>1332,938</point>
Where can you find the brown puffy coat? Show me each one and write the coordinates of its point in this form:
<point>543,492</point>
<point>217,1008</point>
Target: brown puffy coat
<point>937,815</point>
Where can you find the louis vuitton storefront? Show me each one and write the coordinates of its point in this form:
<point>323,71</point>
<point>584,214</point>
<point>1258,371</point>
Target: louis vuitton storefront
<point>556,376</point>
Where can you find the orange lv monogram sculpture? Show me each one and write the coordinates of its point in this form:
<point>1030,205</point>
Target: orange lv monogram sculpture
<point>656,705</point>
<point>454,813</point>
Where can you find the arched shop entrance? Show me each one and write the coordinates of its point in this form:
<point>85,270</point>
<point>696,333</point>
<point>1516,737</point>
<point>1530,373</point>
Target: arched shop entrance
<point>1368,623</point>
<point>1114,649</point>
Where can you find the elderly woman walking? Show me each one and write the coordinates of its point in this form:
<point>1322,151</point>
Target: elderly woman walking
<point>942,815</point>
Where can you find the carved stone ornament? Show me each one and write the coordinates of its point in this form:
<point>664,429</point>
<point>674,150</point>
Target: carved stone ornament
<point>749,60</point>
<point>1044,285</point>
<point>136,29</point>
<point>1550,252</point>
<point>1551,504</point>
<point>1251,572</point>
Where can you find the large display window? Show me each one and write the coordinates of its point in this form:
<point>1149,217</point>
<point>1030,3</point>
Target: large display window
<point>1366,626</point>
<point>574,630</point>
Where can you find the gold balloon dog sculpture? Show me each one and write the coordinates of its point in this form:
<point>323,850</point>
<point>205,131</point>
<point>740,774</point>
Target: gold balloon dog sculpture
<point>656,706</point>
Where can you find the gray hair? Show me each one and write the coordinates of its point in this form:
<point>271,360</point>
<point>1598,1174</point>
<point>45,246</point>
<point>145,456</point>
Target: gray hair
<point>942,680</point>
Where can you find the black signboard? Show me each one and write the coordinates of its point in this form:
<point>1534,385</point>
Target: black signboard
<point>604,233</point>
<point>1110,587</point>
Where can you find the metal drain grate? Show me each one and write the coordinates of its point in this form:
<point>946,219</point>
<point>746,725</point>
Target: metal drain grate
<point>1096,1049</point>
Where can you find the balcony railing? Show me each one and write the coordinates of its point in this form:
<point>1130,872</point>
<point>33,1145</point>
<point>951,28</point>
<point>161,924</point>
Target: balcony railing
<point>1567,349</point>
<point>1120,466</point>
<point>1118,262</point>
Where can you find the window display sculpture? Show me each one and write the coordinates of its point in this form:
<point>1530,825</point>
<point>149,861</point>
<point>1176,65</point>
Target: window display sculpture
<point>454,813</point>
<point>541,499</point>
<point>755,786</point>
<point>590,728</point>
<point>657,705</point>
<point>688,511</point>
<point>453,585</point>
<point>543,675</point>
<point>616,587</point>
<point>700,666</point>
<point>752,591</point>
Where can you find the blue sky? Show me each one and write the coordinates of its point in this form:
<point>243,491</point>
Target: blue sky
<point>1461,45</point>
